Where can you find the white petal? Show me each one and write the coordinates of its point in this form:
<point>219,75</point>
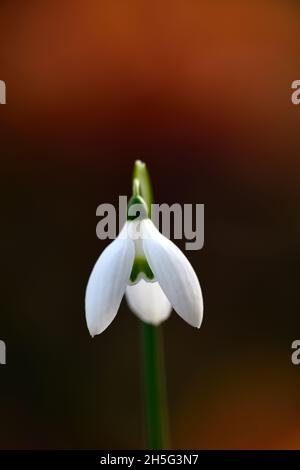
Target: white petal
<point>107,283</point>
<point>148,302</point>
<point>174,273</point>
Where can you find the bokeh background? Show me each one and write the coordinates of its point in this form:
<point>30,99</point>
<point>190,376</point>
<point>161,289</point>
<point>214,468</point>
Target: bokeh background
<point>200,90</point>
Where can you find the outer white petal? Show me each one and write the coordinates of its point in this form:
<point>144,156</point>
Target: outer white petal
<point>107,283</point>
<point>148,302</point>
<point>174,273</point>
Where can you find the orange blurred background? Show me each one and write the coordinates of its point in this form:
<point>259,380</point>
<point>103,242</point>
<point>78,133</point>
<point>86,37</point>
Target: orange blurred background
<point>201,91</point>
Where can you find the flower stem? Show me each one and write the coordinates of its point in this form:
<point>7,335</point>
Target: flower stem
<point>152,347</point>
<point>155,387</point>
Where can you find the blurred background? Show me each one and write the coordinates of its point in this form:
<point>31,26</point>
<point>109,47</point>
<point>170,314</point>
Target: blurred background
<point>201,92</point>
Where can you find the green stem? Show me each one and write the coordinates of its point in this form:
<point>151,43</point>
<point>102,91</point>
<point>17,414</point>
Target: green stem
<point>155,387</point>
<point>152,347</point>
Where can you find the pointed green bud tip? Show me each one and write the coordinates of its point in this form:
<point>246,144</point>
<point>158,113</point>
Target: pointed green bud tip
<point>139,165</point>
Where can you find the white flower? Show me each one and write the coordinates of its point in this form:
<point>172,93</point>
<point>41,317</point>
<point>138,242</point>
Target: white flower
<point>163,279</point>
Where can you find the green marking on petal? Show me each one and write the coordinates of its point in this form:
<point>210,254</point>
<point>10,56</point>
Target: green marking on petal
<point>141,266</point>
<point>136,208</point>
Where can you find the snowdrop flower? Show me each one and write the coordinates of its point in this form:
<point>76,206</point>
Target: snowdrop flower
<point>150,269</point>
